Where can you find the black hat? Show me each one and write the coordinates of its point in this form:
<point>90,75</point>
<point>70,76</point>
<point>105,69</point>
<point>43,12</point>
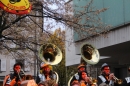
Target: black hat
<point>104,65</point>
<point>18,63</point>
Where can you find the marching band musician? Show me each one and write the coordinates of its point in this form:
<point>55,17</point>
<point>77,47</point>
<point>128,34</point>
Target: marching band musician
<point>15,78</point>
<point>47,77</point>
<point>81,77</point>
<point>126,81</point>
<point>106,78</point>
<point>84,79</point>
<point>81,68</point>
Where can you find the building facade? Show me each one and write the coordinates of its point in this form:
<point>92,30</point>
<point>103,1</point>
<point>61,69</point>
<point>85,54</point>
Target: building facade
<point>113,46</point>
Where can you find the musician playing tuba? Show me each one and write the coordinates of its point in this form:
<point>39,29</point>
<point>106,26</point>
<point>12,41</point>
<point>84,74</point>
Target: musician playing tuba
<point>80,68</point>
<point>14,79</point>
<point>107,78</point>
<point>47,76</point>
<point>82,77</point>
<point>89,54</point>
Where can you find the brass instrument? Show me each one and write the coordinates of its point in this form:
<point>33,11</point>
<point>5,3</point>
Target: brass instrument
<point>27,80</point>
<point>24,76</point>
<point>94,81</point>
<point>90,55</point>
<point>70,80</point>
<point>119,81</point>
<point>27,77</point>
<point>19,76</point>
<point>50,54</point>
<point>24,79</point>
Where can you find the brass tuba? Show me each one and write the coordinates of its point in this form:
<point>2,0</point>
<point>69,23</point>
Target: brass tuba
<point>50,54</point>
<point>89,54</point>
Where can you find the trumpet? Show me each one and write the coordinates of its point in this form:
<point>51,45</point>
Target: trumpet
<point>94,81</point>
<point>119,81</point>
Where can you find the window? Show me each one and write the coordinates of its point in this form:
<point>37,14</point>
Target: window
<point>12,62</point>
<point>2,64</point>
<point>26,65</point>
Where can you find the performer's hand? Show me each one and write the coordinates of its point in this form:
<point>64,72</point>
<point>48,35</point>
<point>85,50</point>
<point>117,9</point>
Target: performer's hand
<point>48,78</point>
<point>19,83</point>
<point>111,76</point>
<point>12,82</point>
<point>88,79</point>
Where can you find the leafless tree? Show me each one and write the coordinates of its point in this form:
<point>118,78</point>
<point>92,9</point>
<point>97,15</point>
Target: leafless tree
<point>22,35</point>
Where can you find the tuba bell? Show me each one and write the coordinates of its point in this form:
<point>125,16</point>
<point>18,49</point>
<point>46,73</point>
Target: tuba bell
<point>50,54</point>
<point>89,54</point>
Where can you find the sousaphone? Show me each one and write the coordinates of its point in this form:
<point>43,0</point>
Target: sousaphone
<point>50,54</point>
<point>89,54</point>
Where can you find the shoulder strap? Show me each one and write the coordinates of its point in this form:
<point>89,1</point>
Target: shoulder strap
<point>76,76</point>
<point>102,78</point>
<point>5,79</point>
<point>127,79</point>
<point>42,77</point>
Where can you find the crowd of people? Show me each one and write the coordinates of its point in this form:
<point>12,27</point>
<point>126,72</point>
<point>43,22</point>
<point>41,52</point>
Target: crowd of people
<point>81,78</point>
<point>106,78</point>
<point>48,77</point>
